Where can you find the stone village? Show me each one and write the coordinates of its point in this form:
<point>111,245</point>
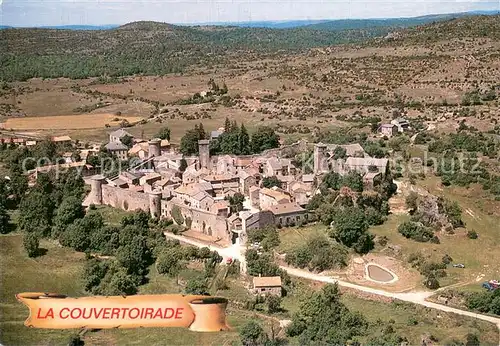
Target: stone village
<point>196,197</point>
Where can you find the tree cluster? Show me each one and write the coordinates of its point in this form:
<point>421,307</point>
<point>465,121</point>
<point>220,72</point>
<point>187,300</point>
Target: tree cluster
<point>318,254</point>
<point>237,141</point>
<point>235,202</point>
<point>324,319</point>
<point>485,302</point>
<point>268,237</point>
<point>415,231</point>
<point>264,265</point>
<point>39,208</point>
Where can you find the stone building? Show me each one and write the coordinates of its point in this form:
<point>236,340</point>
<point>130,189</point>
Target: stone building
<point>117,149</point>
<point>273,196</point>
<point>118,135</point>
<point>388,130</point>
<point>402,124</point>
<point>264,285</point>
<point>288,214</point>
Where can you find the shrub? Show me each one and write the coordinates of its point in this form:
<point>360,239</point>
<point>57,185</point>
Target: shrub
<point>432,283</point>
<point>273,303</point>
<point>447,259</point>
<point>472,234</point>
<point>177,215</point>
<point>189,222</point>
<point>31,244</point>
<point>415,231</point>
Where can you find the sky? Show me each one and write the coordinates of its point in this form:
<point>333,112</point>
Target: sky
<point>98,12</point>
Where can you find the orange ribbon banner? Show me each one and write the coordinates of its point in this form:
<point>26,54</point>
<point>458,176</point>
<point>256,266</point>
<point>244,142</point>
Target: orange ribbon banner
<point>198,313</point>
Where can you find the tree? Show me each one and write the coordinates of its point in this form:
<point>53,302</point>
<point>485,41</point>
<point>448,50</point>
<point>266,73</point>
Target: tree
<point>31,244</point>
<point>78,234</point>
<point>273,303</point>
<point>339,153</point>
<point>227,125</point>
<point>431,282</point>
<point>264,138</point>
<point>18,185</point>
<point>267,236</point>
<point>138,218</point>
<point>69,211</point>
<point>324,319</point>
<point>349,225</point>
<point>331,180</point>
<point>270,182</point>
<point>182,165</point>
<point>365,243</point>
<point>168,263</point>
<point>4,220</point>
<point>75,340</point>
<point>197,286</point>
<point>412,201</point>
<point>164,133</point>
<point>189,142</point>
<point>452,210</point>
<point>93,272</point>
<point>472,340</point>
<point>68,184</point>
<point>252,334</point>
<point>318,254</point>
<point>236,202</point>
<point>105,240</point>
<point>127,140</point>
<point>415,231</point>
<point>36,212</point>
<point>244,141</point>
<point>134,256</point>
<point>354,181</point>
<point>118,281</point>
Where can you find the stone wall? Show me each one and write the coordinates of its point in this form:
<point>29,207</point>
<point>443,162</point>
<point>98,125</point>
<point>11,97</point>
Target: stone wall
<point>201,221</point>
<point>124,199</point>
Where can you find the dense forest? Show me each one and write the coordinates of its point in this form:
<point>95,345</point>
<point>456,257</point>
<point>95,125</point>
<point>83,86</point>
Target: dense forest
<point>151,48</point>
<point>145,48</point>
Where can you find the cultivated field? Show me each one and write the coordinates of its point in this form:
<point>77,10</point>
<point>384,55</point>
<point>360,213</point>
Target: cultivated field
<point>69,122</point>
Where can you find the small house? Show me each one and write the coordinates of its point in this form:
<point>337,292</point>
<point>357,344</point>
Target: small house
<point>402,124</point>
<point>116,136</point>
<point>117,149</point>
<point>388,130</point>
<point>264,285</point>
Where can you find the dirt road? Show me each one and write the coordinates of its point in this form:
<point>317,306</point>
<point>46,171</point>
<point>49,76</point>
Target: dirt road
<point>419,298</point>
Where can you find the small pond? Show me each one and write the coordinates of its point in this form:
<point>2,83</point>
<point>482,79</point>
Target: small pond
<point>379,274</point>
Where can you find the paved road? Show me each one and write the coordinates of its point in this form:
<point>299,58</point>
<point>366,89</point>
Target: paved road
<point>411,297</point>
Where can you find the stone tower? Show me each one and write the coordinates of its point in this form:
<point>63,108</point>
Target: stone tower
<point>154,148</point>
<point>319,158</point>
<point>155,204</point>
<point>204,153</point>
<point>96,189</point>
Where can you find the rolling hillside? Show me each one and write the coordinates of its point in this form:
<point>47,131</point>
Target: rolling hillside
<point>152,48</point>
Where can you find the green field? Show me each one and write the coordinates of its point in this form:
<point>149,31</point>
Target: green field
<point>408,320</point>
<point>476,254</point>
<point>479,213</point>
<point>59,271</point>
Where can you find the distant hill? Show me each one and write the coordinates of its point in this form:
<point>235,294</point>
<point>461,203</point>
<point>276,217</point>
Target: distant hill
<point>351,24</point>
<point>285,24</point>
<point>81,27</point>
<point>321,24</point>
<point>479,26</point>
<point>152,48</point>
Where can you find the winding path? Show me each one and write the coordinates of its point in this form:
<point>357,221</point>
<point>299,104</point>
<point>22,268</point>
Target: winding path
<point>419,298</point>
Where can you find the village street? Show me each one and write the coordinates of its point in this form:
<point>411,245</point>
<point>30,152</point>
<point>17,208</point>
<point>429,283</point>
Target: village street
<point>420,298</point>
